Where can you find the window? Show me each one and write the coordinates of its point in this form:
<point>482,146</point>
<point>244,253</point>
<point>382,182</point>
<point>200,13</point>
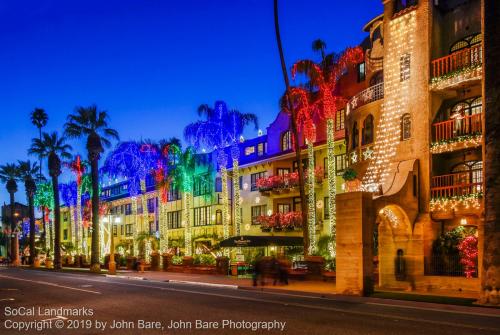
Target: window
<point>201,185</point>
<point>128,230</point>
<point>249,150</point>
<point>361,67</point>
<point>466,42</point>
<point>295,167</point>
<point>254,177</point>
<point>355,135</point>
<point>284,208</point>
<point>65,234</point>
<point>282,171</point>
<point>326,208</point>
<point>258,211</point>
<point>218,217</point>
<point>151,205</point>
<point>174,194</point>
<point>340,120</point>
<point>340,163</point>
<point>399,5</point>
<point>115,230</point>
<point>202,216</point>
<point>122,227</point>
<point>377,78</point>
<point>218,184</point>
<point>260,149</point>
<point>404,67</point>
<point>128,209</point>
<point>174,219</point>
<point>405,127</point>
<point>286,141</point>
<point>367,133</point>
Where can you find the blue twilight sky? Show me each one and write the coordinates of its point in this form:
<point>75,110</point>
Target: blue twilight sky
<point>150,63</point>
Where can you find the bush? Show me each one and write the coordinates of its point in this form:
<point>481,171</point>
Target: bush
<point>349,174</point>
<point>177,260</point>
<point>204,259</point>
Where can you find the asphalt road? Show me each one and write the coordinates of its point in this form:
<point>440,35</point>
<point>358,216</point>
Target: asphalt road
<point>136,305</point>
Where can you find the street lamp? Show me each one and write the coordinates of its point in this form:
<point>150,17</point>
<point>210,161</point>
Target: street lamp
<point>111,220</point>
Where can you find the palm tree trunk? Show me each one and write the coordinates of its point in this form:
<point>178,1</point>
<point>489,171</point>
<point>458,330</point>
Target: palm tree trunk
<point>44,226</point>
<point>295,132</point>
<point>236,198</point>
<point>332,186</point>
<point>311,200</point>
<point>14,252</point>
<point>145,209</point>
<point>490,276</point>
<point>187,224</point>
<point>57,224</point>
<point>135,244</point>
<point>79,227</point>
<point>31,209</point>
<point>95,265</point>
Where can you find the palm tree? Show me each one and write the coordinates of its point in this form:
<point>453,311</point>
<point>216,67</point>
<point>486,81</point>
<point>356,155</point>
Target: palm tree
<point>293,124</point>
<point>323,79</point>
<point>44,199</point>
<point>490,278</point>
<point>8,175</point>
<point>28,172</point>
<point>55,148</point>
<point>93,124</point>
<point>78,167</point>
<point>125,161</point>
<point>69,195</point>
<point>39,119</point>
<point>148,158</point>
<point>236,123</point>
<point>182,176</point>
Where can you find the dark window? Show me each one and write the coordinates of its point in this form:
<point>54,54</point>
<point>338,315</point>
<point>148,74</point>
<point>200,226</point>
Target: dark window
<point>340,163</point>
<point>174,194</point>
<point>202,216</point>
<point>201,185</point>
<point>65,234</point>
<point>399,5</point>
<point>128,209</point>
<point>174,219</point>
<point>151,205</point>
<point>404,65</point>
<point>284,208</point>
<point>355,136</point>
<point>218,184</point>
<point>253,179</point>
<point>218,216</point>
<point>128,230</point>
<point>258,211</point>
<point>405,127</point>
<point>361,67</point>
<point>295,167</point>
<point>121,229</point>
<point>368,130</point>
<point>286,141</point>
<point>115,230</point>
<point>340,120</point>
<point>326,208</point>
<point>377,78</point>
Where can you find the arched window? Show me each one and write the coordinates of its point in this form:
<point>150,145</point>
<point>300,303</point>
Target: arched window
<point>468,172</point>
<point>405,127</point>
<point>377,78</point>
<point>466,42</point>
<point>399,5</point>
<point>218,216</point>
<point>367,132</point>
<point>355,136</point>
<point>286,141</point>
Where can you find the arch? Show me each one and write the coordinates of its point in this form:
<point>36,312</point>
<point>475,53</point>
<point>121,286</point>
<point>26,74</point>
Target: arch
<point>367,132</point>
<point>355,135</point>
<point>286,141</point>
<point>466,42</point>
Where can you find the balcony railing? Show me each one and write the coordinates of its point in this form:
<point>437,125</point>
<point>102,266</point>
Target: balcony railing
<point>450,129</point>
<point>457,184</point>
<point>286,181</point>
<point>459,60</point>
<point>280,221</point>
<point>372,93</point>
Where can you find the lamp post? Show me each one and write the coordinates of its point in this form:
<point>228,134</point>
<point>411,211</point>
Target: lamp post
<point>112,264</point>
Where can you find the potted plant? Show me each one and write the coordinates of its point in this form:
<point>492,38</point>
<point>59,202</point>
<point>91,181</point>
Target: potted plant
<point>352,184</point>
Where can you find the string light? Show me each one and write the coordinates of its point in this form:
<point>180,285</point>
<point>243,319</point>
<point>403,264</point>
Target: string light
<point>235,153</point>
<point>466,141</point>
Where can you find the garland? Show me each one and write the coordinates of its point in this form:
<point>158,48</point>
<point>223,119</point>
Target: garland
<point>450,144</point>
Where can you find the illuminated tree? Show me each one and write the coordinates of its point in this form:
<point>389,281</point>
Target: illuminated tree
<point>93,124</point>
<point>55,148</point>
<point>78,167</point>
<point>28,172</point>
<point>8,175</point>
<point>148,160</point>
<point>69,196</point>
<point>323,80</point>
<point>44,200</point>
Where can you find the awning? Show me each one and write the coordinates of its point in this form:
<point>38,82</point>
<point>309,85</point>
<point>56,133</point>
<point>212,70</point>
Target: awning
<point>262,241</point>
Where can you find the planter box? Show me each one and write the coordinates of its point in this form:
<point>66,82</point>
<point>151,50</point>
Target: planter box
<point>155,261</point>
<point>166,261</point>
<point>131,262</point>
<point>187,261</point>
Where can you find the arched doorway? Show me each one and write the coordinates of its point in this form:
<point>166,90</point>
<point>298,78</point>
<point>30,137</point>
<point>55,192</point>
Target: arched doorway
<point>395,248</point>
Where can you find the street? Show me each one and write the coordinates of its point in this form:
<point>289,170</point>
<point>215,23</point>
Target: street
<point>92,304</point>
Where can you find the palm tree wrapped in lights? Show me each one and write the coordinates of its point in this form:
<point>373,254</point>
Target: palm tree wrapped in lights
<point>69,195</point>
<point>78,167</point>
<point>91,123</point>
<point>148,159</point>
<point>55,148</point>
<point>323,79</point>
<point>44,199</point>
<point>28,172</point>
<point>125,162</point>
<point>182,178</point>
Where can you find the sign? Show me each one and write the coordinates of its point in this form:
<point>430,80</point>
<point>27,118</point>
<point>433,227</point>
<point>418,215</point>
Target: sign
<point>240,258</point>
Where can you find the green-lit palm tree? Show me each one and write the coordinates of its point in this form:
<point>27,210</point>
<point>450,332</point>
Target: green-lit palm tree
<point>91,123</point>
<point>28,172</point>
<point>39,118</point>
<point>8,175</point>
<point>55,148</point>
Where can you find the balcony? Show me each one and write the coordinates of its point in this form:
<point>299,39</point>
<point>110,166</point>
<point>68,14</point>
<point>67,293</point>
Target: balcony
<point>457,67</point>
<point>457,133</point>
<point>285,183</point>
<point>371,94</point>
<point>278,222</point>
<point>460,185</point>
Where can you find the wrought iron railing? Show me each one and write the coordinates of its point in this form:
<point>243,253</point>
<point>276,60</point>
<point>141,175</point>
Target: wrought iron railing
<point>372,93</point>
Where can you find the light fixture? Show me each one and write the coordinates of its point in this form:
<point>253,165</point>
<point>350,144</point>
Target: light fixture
<point>245,186</point>
<point>463,221</point>
<point>257,200</point>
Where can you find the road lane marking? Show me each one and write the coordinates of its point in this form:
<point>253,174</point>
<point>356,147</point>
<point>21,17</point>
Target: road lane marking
<point>8,299</point>
<point>50,284</point>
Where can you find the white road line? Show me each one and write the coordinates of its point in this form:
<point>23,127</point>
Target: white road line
<point>50,284</point>
<point>8,299</point>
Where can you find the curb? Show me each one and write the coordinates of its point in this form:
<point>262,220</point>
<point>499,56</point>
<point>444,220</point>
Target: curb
<point>125,277</point>
<point>229,286</point>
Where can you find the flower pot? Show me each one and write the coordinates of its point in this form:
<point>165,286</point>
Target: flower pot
<point>49,264</point>
<point>166,260</point>
<point>155,261</point>
<point>187,261</point>
<point>36,263</point>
